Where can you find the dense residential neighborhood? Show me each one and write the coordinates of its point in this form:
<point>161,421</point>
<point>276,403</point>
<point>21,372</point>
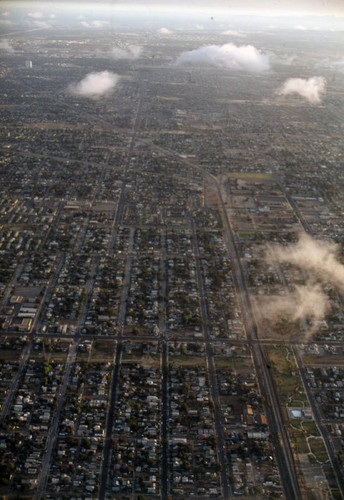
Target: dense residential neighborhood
<point>156,337</point>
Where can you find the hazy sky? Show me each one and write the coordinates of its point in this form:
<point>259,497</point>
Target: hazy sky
<point>322,7</point>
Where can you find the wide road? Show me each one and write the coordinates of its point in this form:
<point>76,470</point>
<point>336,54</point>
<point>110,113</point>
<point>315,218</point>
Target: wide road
<point>11,285</point>
<point>105,466</point>
<point>219,424</point>
<point>53,430</point>
<point>49,291</point>
<point>164,422</point>
<point>15,382</point>
<point>118,217</point>
<point>164,370</point>
<point>88,291</point>
<point>115,377</point>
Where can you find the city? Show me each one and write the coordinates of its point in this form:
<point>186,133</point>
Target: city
<point>171,279</point>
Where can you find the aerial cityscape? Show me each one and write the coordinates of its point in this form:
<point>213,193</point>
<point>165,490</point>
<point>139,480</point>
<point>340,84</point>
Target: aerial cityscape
<point>171,257</point>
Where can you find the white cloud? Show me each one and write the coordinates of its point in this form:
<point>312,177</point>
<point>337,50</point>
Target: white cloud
<point>288,60</point>
<point>320,261</point>
<point>285,60</point>
<point>320,258</point>
<point>130,52</point>
<point>5,14</point>
<point>42,24</point>
<point>95,84</point>
<point>332,64</point>
<point>300,27</point>
<point>6,46</point>
<point>305,302</point>
<point>240,58</point>
<point>339,64</point>
<point>99,24</point>
<point>233,33</point>
<point>164,31</point>
<point>94,24</point>
<point>312,89</point>
<point>35,15</point>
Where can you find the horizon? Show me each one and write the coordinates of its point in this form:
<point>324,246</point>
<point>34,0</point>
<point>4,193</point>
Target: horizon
<point>272,8</point>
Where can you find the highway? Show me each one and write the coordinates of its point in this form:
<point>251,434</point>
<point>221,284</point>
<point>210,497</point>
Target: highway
<point>120,206</point>
<point>81,235</point>
<point>122,310</point>
<point>115,377</point>
<point>53,429</point>
<point>163,282</point>
<point>164,422</point>
<point>126,283</point>
<point>105,465</point>
<point>11,285</point>
<point>164,370</point>
<point>36,326</point>
<point>54,224</point>
<point>219,424</point>
<point>14,385</point>
<point>88,290</point>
